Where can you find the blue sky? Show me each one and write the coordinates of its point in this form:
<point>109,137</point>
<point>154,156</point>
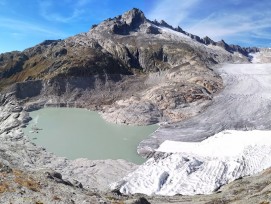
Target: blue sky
<point>25,23</point>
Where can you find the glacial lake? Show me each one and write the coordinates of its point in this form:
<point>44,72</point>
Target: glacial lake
<point>78,133</point>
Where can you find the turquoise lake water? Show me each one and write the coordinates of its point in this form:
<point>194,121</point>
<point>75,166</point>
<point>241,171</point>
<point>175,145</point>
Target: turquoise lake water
<point>78,133</point>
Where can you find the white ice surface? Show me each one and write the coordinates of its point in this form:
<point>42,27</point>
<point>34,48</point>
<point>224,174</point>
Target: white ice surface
<point>200,168</point>
<point>173,32</point>
<point>220,145</point>
<point>263,56</point>
<point>255,58</point>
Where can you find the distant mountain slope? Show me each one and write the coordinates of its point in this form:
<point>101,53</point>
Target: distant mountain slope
<point>125,45</point>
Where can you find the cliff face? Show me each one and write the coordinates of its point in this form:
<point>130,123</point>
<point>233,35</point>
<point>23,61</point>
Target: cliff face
<point>55,58</point>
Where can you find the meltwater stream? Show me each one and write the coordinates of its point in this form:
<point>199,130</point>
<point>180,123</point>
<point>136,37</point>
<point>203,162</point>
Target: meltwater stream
<point>78,133</point>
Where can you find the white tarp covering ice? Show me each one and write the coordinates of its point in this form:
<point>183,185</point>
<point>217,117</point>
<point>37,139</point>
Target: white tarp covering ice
<point>200,168</point>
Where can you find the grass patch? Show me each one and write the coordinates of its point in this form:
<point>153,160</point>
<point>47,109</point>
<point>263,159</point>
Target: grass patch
<point>26,181</point>
<point>4,187</point>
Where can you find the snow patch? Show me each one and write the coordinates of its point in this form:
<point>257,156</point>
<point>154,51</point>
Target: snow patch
<point>255,58</point>
<point>173,32</point>
<point>264,56</point>
<point>220,145</point>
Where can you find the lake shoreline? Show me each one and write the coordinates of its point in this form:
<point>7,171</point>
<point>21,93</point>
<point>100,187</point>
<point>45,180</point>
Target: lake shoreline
<point>22,153</point>
<point>73,127</point>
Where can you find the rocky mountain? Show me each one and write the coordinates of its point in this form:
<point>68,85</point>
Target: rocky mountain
<point>116,46</point>
<point>132,69</point>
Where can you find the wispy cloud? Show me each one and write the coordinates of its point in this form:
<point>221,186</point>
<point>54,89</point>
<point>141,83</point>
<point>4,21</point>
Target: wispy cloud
<point>173,11</point>
<point>72,14</point>
<point>233,20</point>
<point>22,27</point>
<point>219,26</point>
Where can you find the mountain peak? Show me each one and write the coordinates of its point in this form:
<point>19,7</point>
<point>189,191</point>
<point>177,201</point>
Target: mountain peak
<point>208,41</point>
<point>134,17</point>
<point>123,24</point>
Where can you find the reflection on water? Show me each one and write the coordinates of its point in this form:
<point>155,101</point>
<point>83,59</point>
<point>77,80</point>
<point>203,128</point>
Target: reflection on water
<point>78,133</point>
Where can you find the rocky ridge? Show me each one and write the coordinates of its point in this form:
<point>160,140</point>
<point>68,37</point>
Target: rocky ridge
<point>208,41</point>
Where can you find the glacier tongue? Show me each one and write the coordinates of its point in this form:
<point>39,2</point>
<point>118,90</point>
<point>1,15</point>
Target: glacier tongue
<point>200,168</point>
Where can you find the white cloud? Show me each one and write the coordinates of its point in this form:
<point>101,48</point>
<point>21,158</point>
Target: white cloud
<point>173,11</point>
<point>77,10</point>
<point>233,20</point>
<point>21,27</point>
<point>218,26</point>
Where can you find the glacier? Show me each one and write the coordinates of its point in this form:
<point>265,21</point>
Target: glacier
<point>189,168</point>
<point>231,139</point>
